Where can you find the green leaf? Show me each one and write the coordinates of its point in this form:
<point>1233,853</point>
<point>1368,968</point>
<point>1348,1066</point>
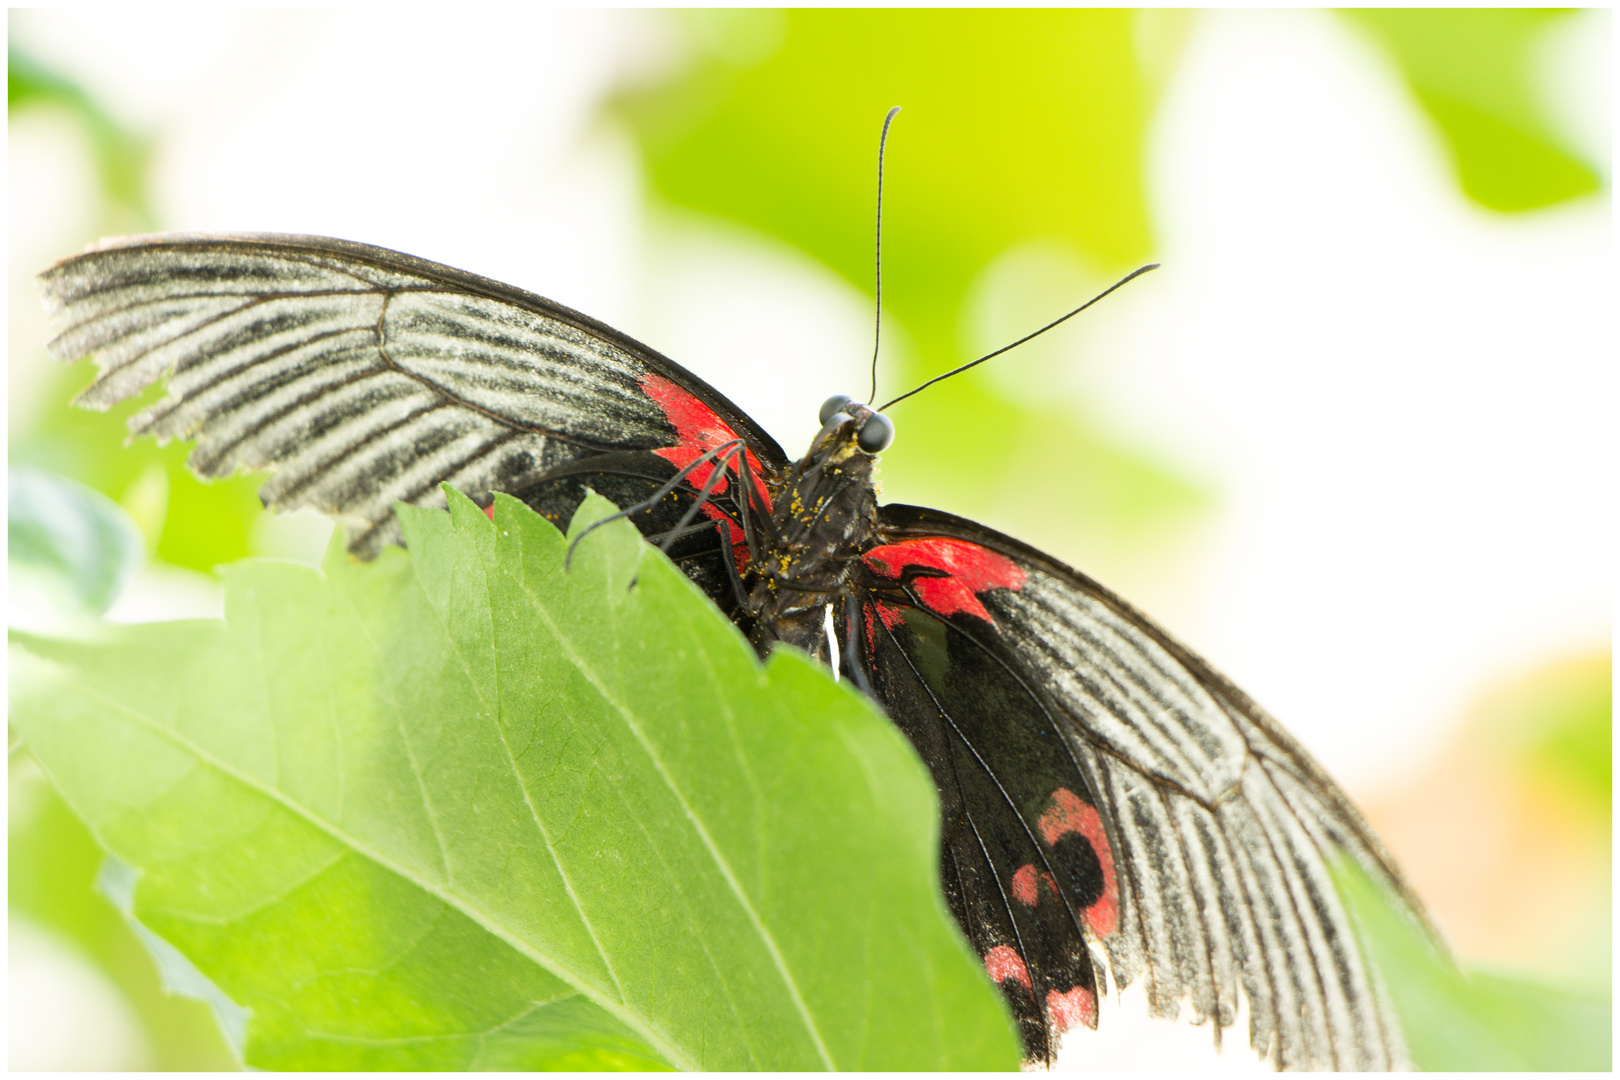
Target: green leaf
<point>188,522</point>
<point>51,868</point>
<point>461,808</point>
<point>1469,1021</point>
<point>116,882</point>
<point>1471,70</point>
<point>121,155</point>
<point>72,543</point>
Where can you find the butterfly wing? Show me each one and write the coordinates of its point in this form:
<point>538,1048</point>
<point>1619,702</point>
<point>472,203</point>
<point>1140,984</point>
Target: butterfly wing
<point>365,377</point>
<point>1110,799</point>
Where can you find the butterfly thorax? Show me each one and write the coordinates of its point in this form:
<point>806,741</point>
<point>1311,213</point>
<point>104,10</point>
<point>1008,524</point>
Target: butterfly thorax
<point>823,516</point>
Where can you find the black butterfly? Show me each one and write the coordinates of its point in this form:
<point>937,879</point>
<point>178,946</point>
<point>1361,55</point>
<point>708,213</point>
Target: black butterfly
<point>1110,802</point>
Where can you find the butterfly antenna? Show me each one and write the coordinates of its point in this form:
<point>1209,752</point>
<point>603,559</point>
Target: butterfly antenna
<point>877,331</point>
<point>1138,272</point>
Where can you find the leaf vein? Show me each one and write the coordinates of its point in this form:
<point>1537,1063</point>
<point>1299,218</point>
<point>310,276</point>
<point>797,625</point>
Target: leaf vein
<point>443,893</point>
<point>589,670</point>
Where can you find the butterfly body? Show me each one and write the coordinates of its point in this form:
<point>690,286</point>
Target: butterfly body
<point>1113,811</point>
<point>824,515</point>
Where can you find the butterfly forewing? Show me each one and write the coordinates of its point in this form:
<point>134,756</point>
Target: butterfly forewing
<point>365,377</point>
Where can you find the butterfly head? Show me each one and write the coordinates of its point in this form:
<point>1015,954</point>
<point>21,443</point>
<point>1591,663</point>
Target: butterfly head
<point>845,420</point>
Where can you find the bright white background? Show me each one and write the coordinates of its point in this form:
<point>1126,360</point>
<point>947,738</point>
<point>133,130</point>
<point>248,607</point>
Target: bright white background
<point>1405,403</point>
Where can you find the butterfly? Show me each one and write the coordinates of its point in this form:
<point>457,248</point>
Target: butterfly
<point>1113,809</point>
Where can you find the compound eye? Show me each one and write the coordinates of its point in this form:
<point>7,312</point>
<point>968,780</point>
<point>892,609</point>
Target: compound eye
<point>833,406</point>
<point>876,434</point>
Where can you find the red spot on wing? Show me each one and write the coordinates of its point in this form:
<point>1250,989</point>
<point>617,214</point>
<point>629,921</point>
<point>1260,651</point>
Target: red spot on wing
<point>489,511</point>
<point>1070,814</point>
<point>969,569</point>
<point>739,549</point>
<point>1003,963</point>
<point>699,430</point>
<point>1071,1008</point>
<point>696,425</point>
<point>1025,885</point>
<point>891,615</point>
<point>948,596</point>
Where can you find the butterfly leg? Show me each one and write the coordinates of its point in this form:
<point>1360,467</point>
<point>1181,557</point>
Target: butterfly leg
<point>657,496</point>
<point>852,656</point>
<point>724,528</point>
<point>725,455</point>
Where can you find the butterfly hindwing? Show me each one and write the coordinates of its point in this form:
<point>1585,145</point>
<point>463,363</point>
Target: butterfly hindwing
<point>1021,880</point>
<point>363,376</point>
<point>1213,827</point>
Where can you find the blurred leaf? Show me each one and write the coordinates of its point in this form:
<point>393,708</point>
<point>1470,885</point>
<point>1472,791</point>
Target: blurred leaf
<point>459,808</point>
<point>1018,126</point>
<point>196,525</point>
<point>1471,69</point>
<point>65,532</point>
<point>1455,1021</point>
<point>116,881</point>
<point>121,155</point>
<point>1558,725</point>
<point>51,866</point>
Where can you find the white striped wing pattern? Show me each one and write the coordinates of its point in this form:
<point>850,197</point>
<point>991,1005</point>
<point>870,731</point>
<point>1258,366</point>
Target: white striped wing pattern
<point>361,376</point>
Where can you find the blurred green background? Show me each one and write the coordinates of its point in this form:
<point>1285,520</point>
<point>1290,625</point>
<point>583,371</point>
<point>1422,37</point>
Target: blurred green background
<point>1024,151</point>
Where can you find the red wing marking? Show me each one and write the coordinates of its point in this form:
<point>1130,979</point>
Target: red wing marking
<point>489,511</point>
<point>1026,885</point>
<point>1070,814</point>
<point>970,569</point>
<point>1003,963</point>
<point>892,615</point>
<point>1069,1009</point>
<point>739,546</point>
<point>699,430</point>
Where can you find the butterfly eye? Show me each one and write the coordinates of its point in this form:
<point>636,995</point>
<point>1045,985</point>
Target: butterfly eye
<point>876,434</point>
<point>832,406</point>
